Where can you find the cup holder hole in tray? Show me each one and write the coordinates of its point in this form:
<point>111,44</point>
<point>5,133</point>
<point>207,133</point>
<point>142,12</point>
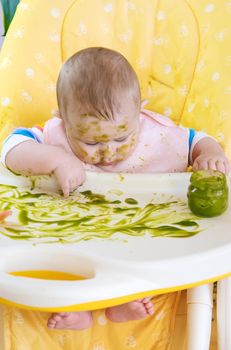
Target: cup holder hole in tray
<point>47,265</point>
<point>48,275</point>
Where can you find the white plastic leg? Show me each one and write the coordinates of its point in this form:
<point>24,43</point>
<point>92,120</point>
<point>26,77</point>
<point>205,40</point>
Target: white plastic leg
<point>224,314</point>
<point>1,327</point>
<point>199,317</point>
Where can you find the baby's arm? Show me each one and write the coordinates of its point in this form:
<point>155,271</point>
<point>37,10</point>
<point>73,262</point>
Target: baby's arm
<point>33,158</point>
<point>208,154</point>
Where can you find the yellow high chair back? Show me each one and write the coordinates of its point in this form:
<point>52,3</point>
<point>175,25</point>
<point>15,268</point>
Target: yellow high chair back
<point>180,50</point>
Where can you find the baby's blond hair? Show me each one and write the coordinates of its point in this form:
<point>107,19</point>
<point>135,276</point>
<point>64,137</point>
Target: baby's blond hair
<point>95,81</point>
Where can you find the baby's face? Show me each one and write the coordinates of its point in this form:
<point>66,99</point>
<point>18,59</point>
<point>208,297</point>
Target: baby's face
<point>103,142</point>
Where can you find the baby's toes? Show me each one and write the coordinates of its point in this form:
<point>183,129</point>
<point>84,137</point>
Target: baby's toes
<point>149,307</point>
<point>51,323</point>
<point>57,318</point>
<point>146,299</point>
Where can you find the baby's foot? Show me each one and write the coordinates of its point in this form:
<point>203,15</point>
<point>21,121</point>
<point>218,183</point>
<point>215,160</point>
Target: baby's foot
<point>135,310</point>
<point>70,320</point>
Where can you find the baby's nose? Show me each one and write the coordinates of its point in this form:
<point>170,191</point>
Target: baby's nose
<point>108,150</point>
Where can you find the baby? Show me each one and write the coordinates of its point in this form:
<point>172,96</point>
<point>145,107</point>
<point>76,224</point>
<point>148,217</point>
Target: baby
<point>102,127</point>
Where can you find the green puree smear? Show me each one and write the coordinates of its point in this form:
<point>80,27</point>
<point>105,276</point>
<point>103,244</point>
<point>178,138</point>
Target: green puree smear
<point>49,218</point>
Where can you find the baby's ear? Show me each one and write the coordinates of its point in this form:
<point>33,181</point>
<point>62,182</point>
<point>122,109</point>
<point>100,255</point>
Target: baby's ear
<point>55,113</point>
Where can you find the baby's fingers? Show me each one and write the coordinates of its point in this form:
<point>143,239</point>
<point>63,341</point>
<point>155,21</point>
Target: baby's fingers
<point>73,184</point>
<point>221,166</point>
<point>195,166</point>
<point>70,186</point>
<point>200,165</point>
<point>65,188</point>
<point>5,214</point>
<point>212,164</point>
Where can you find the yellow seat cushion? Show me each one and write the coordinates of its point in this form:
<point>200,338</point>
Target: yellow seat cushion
<point>26,330</point>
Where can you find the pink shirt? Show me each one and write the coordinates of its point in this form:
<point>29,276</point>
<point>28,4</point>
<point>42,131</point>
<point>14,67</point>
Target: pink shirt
<point>162,146</point>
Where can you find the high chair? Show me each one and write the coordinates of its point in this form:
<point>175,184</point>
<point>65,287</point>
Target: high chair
<point>181,53</point>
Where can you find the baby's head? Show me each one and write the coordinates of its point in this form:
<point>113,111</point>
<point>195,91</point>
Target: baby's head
<point>99,101</point>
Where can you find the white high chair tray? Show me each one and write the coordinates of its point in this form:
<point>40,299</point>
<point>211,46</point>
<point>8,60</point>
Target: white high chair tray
<point>123,264</point>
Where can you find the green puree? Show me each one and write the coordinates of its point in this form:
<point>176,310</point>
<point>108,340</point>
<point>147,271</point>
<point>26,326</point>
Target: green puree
<point>85,215</point>
<point>208,193</point>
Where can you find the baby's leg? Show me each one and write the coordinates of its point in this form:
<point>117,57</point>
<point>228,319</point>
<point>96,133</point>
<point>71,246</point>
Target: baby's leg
<point>70,320</point>
<point>135,310</point>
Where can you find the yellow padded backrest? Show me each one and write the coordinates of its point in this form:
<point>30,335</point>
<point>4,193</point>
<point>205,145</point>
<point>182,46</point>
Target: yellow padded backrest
<point>208,104</point>
<point>180,50</point>
<point>160,56</point>
<point>144,31</point>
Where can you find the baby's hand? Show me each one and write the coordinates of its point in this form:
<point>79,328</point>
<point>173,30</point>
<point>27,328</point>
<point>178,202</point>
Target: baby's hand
<point>69,173</point>
<point>213,161</point>
<point>5,214</point>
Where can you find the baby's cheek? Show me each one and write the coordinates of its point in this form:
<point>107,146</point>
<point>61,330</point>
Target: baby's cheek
<point>91,156</point>
<point>82,129</point>
<point>82,153</point>
<point>122,150</point>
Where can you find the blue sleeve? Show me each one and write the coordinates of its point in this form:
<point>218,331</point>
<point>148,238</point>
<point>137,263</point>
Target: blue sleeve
<point>192,133</point>
<point>20,135</point>
<point>26,132</point>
